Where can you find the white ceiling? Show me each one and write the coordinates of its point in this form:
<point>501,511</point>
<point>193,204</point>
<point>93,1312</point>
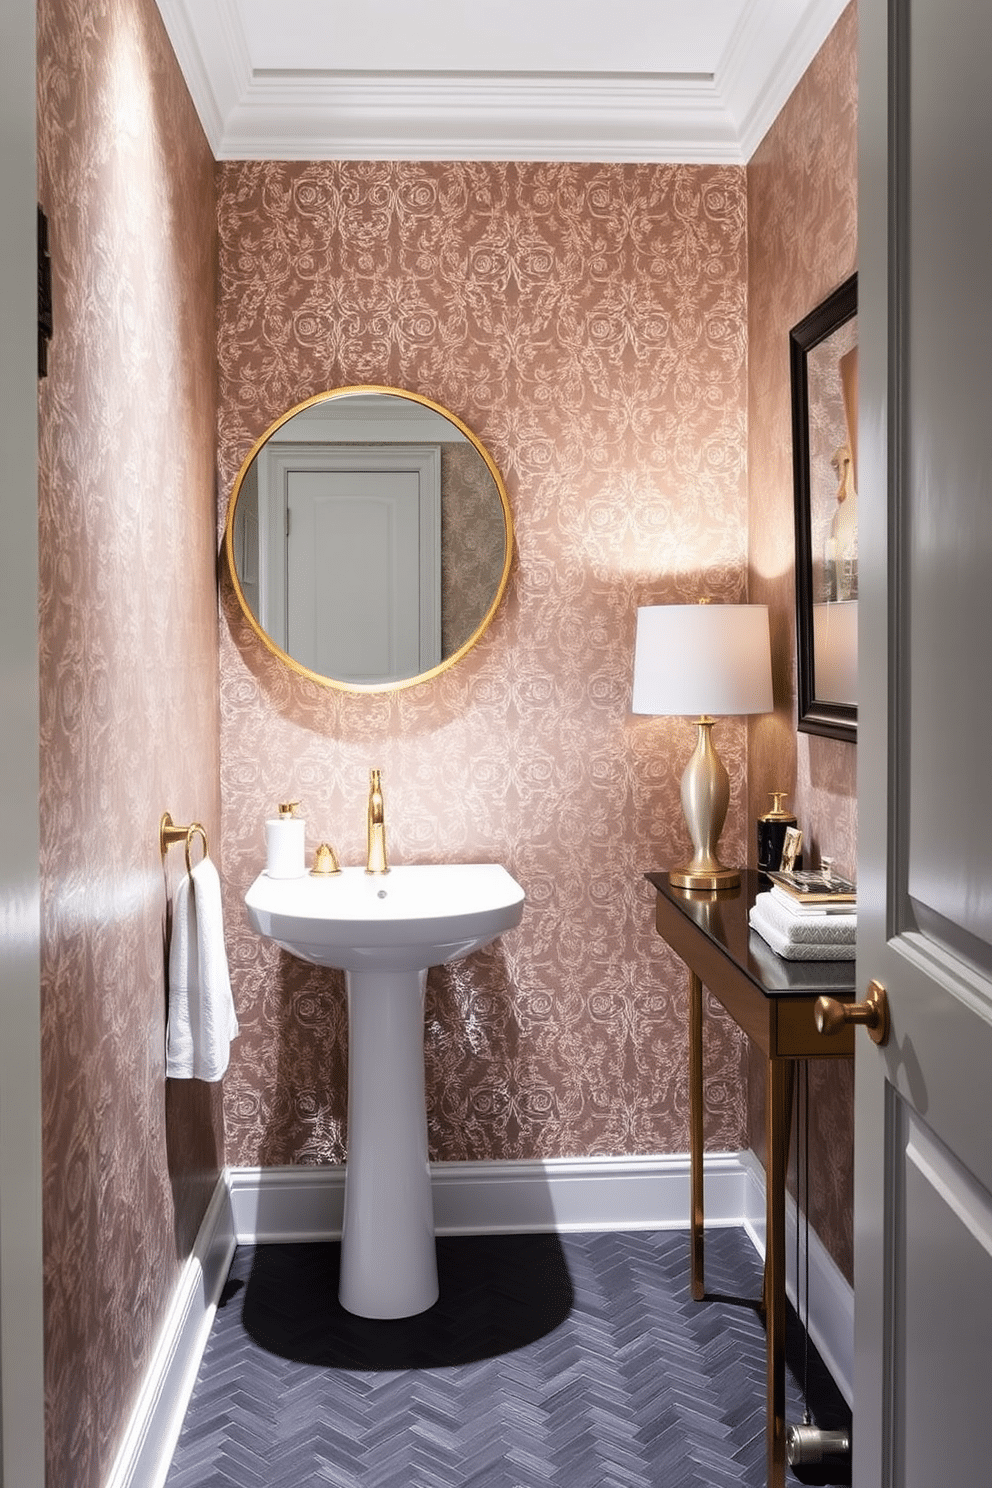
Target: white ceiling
<point>662,80</point>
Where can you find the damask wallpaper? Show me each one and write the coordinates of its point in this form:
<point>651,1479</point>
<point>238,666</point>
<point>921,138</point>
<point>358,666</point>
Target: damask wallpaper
<point>802,243</point>
<point>129,689</point>
<point>473,543</point>
<point>588,323</point>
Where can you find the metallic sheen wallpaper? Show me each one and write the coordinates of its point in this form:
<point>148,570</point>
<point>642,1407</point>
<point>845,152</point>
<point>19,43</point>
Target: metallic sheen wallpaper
<point>129,727</point>
<point>802,243</point>
<point>588,323</point>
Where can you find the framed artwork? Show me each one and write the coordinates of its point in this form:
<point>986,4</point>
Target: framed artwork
<point>823,357</point>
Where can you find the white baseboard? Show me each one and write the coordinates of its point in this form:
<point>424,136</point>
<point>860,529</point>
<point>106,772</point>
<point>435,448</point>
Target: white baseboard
<point>285,1205</point>
<point>149,1442</point>
<point>474,1198</point>
<point>831,1296</point>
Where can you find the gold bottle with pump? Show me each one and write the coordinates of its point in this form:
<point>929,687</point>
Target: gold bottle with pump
<point>771,834</point>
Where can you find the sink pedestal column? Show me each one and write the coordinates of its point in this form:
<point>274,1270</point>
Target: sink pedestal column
<point>388,1257</point>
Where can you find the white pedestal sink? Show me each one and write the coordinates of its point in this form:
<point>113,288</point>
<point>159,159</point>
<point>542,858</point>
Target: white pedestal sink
<point>384,931</point>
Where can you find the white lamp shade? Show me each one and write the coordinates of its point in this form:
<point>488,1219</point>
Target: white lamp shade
<point>702,659</point>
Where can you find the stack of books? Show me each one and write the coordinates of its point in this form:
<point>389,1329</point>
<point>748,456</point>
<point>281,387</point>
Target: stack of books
<point>808,916</point>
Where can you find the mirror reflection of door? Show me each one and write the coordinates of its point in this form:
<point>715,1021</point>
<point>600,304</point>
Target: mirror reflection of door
<point>350,570</point>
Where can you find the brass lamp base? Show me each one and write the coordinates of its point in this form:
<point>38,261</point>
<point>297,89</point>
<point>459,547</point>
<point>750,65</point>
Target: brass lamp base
<point>705,796</point>
<point>715,880</point>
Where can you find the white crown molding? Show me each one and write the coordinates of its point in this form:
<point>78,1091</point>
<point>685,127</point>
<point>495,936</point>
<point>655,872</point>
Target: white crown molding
<point>212,52</point>
<point>693,118</point>
<point>773,45</point>
<point>478,116</point>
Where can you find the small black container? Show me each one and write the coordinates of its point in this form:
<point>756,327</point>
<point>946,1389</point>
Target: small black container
<point>772,828</point>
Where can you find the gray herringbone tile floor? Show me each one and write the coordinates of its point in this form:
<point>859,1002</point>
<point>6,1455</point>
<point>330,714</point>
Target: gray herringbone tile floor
<point>572,1360</point>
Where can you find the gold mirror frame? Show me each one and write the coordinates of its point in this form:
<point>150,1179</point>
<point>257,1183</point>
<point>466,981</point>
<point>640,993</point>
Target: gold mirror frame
<point>448,661</point>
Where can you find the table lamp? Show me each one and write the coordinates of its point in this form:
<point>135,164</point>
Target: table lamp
<point>703,660</point>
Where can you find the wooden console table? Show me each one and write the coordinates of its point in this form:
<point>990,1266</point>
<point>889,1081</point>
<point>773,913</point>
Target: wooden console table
<point>772,1000</point>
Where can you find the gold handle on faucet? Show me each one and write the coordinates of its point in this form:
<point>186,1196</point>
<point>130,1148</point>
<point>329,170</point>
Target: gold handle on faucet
<point>831,1016</point>
<point>325,862</point>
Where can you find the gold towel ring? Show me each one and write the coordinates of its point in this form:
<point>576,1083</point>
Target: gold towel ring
<point>169,833</point>
<point>191,832</point>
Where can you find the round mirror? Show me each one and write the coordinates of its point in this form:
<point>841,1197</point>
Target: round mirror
<point>369,538</point>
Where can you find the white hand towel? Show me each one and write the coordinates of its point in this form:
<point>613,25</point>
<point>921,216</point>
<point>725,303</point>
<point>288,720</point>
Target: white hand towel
<point>202,1020</point>
<point>821,929</point>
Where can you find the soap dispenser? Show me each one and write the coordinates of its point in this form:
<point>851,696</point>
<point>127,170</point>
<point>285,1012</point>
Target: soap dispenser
<point>285,845</point>
<point>771,834</point>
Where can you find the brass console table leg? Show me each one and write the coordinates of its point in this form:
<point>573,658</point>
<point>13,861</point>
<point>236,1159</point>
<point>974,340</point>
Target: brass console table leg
<point>696,1134</point>
<point>777,1123</point>
<point>789,1067</point>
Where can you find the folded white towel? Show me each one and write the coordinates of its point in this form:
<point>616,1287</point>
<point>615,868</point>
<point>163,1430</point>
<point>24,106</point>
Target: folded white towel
<point>823,929</point>
<point>202,1020</point>
<point>798,950</point>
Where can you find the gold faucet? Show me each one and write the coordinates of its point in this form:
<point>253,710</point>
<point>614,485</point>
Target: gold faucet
<point>377,828</point>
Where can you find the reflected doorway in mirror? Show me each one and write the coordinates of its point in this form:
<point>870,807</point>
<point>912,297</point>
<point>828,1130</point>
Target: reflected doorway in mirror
<point>353,541</point>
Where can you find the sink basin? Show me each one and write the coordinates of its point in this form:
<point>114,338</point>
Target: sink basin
<point>384,931</point>
<point>412,917</point>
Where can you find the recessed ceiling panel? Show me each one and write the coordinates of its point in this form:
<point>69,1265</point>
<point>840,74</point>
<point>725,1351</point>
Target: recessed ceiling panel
<point>655,36</point>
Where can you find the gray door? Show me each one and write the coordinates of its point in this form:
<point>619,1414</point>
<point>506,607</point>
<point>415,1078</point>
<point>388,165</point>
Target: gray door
<point>349,571</point>
<point>355,586</point>
<point>923,1175</point>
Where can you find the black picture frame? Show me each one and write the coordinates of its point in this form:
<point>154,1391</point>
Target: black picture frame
<point>823,369</point>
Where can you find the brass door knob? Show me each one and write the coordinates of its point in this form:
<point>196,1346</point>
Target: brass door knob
<point>831,1016</point>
